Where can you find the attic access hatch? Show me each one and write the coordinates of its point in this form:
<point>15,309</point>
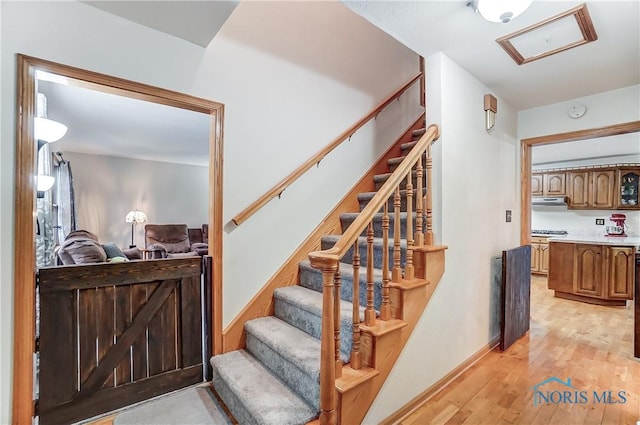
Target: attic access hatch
<point>562,32</point>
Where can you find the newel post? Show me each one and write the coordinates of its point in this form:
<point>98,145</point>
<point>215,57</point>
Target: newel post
<point>328,399</point>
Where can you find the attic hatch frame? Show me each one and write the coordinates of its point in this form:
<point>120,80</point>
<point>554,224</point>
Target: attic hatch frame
<point>583,20</point>
<point>24,202</point>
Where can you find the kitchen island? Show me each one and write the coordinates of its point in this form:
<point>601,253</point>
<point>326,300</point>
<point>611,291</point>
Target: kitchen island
<point>593,269</point>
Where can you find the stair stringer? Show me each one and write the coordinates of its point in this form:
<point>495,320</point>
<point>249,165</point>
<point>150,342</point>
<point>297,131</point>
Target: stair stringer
<point>357,389</point>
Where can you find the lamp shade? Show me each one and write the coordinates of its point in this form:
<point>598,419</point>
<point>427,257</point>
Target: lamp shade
<point>49,130</point>
<point>135,216</point>
<point>502,10</point>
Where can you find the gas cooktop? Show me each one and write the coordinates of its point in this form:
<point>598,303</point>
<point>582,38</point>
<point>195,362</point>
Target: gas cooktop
<point>549,232</point>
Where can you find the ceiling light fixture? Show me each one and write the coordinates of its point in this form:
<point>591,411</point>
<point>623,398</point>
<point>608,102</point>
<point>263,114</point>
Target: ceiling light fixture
<point>45,129</point>
<point>499,10</point>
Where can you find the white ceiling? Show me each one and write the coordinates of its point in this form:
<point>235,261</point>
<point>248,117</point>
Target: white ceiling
<point>194,21</point>
<point>105,124</point>
<point>427,27</point>
<point>611,62</point>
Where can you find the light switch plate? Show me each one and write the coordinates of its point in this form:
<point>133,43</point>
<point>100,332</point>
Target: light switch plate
<point>508,216</point>
<point>599,221</point>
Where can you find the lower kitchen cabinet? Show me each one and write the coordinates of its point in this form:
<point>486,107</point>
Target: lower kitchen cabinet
<point>598,274</point>
<point>540,255</point>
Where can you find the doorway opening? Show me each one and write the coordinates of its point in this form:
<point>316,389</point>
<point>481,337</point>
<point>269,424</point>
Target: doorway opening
<point>25,225</point>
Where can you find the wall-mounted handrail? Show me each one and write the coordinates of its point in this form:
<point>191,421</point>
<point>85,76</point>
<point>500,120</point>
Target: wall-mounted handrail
<point>382,195</point>
<point>288,180</point>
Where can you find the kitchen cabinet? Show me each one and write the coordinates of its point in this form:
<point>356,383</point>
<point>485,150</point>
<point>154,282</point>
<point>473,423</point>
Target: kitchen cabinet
<point>591,188</point>
<point>621,272</point>
<point>578,189</point>
<point>554,184</point>
<point>590,272</point>
<point>601,193</point>
<point>539,255</point>
<point>536,185</point>
<point>588,265</point>
<point>548,184</point>
<point>627,189</point>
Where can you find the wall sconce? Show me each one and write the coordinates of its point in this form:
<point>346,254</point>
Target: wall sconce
<point>490,109</point>
<point>134,217</point>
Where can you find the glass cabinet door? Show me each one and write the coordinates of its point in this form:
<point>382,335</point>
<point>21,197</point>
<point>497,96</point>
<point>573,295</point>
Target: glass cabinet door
<point>629,182</point>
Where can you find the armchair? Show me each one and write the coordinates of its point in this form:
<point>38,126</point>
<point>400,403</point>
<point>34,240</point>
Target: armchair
<point>171,241</point>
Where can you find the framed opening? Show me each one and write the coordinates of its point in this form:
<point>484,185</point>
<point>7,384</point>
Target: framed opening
<point>25,204</point>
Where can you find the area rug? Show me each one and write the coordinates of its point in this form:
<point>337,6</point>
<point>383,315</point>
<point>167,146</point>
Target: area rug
<point>192,406</point>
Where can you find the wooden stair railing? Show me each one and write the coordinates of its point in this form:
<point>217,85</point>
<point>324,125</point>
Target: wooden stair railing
<point>308,164</point>
<point>327,261</point>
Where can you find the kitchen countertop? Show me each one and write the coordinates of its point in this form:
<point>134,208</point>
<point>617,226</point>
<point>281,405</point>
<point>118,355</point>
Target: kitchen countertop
<point>599,240</point>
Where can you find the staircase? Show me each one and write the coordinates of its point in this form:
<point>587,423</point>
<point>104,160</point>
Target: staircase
<point>317,354</point>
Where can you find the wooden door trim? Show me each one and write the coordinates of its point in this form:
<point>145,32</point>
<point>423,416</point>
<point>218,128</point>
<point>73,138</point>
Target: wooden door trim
<point>525,163</point>
<point>24,198</point>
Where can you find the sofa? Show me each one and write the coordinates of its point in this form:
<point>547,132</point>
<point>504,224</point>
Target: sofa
<point>171,241</point>
<point>83,247</point>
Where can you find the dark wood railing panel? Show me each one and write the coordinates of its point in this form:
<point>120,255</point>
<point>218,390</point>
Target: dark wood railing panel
<point>105,343</point>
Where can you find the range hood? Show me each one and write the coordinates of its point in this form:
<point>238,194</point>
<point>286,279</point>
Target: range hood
<point>561,200</point>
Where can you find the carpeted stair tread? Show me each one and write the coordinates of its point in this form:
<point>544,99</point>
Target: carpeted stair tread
<point>418,133</point>
<point>311,301</point>
<point>329,241</point>
<point>312,279</point>
<point>288,352</point>
<point>299,347</point>
<point>302,308</point>
<point>408,146</point>
<point>254,395</point>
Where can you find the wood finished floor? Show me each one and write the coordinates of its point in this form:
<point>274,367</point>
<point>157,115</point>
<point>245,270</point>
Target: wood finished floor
<point>590,344</point>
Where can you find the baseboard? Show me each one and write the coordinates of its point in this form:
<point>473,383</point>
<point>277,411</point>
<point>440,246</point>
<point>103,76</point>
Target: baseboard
<point>426,395</point>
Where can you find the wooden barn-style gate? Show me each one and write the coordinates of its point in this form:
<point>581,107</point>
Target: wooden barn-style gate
<point>116,334</point>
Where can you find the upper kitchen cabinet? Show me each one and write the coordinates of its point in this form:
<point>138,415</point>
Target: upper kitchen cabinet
<point>548,184</point>
<point>601,193</point>
<point>591,189</point>
<point>536,185</point>
<point>578,184</point>
<point>627,188</point>
<point>554,184</point>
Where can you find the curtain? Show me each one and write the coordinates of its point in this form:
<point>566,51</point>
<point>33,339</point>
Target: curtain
<point>44,207</point>
<point>65,201</point>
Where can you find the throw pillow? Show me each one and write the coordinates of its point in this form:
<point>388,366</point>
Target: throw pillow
<point>112,250</point>
<point>117,259</point>
<point>86,251</point>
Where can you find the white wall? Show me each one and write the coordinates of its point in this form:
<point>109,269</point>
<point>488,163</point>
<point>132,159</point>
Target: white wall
<point>603,109</point>
<point>292,75</point>
<point>107,188</point>
<point>479,176</point>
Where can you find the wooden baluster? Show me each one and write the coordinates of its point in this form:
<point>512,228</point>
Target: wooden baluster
<point>419,233</point>
<point>408,268</point>
<point>337,282</point>
<point>328,401</point>
<point>370,313</point>
<point>429,202</point>
<point>396,275</point>
<point>356,356</point>
<point>385,307</point>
